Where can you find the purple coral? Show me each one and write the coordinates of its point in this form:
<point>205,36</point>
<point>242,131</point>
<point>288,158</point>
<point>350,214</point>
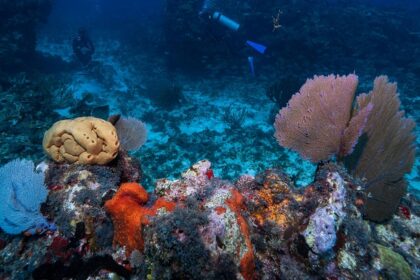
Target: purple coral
<point>317,121</point>
<point>320,234</point>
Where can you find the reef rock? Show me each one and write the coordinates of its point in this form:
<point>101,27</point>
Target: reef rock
<point>202,227</point>
<point>208,229</point>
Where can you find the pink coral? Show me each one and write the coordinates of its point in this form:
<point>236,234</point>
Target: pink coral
<point>317,121</point>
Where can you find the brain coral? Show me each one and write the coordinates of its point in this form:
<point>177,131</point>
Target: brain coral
<point>84,140</point>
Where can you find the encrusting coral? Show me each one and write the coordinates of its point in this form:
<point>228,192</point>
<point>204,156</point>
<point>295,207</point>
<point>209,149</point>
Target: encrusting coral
<point>200,226</point>
<point>247,263</point>
<point>84,140</point>
<point>129,214</point>
<point>226,235</point>
<point>320,233</point>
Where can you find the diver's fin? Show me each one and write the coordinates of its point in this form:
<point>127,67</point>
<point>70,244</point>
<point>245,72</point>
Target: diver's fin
<point>258,47</point>
<point>251,65</point>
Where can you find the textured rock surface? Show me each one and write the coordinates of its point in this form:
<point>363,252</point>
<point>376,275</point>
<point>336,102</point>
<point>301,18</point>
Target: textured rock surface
<point>320,234</point>
<point>259,227</point>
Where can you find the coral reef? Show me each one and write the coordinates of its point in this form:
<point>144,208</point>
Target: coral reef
<point>178,250</point>
<point>129,167</point>
<point>21,97</point>
<point>77,193</point>
<point>85,140</point>
<point>202,227</point>
<point>212,222</point>
<point>394,263</point>
<point>224,230</point>
<point>318,122</point>
<point>18,30</point>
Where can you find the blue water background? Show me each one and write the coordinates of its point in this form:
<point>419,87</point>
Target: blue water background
<point>133,22</point>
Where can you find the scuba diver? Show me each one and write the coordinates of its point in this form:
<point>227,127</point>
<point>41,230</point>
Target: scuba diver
<point>210,13</point>
<point>209,10</point>
<point>83,47</point>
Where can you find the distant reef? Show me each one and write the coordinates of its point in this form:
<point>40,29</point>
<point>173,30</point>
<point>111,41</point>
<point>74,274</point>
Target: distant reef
<point>18,21</point>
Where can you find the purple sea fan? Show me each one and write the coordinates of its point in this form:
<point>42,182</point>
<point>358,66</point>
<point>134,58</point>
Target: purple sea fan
<point>389,152</point>
<point>132,133</point>
<point>317,122</point>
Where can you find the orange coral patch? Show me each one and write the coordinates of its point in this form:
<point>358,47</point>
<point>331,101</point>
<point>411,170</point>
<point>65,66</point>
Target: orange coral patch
<point>159,203</point>
<point>247,264</point>
<point>220,210</point>
<point>129,216</point>
<point>271,209</point>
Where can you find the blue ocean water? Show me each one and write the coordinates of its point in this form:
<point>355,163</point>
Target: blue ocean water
<point>143,47</point>
<point>202,90</point>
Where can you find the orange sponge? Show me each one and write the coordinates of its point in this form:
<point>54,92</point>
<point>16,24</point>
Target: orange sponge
<point>129,215</point>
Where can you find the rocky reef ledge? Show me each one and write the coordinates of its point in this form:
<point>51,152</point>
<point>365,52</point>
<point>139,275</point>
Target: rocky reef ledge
<point>200,226</point>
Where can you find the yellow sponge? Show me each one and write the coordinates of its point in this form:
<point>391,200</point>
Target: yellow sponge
<point>85,140</point>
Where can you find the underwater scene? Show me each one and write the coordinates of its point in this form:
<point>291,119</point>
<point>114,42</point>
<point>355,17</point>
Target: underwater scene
<point>209,139</point>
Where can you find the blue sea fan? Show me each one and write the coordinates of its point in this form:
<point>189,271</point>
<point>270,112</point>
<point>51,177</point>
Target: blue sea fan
<point>22,191</point>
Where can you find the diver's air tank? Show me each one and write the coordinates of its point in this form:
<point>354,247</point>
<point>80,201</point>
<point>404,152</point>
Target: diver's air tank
<point>224,20</point>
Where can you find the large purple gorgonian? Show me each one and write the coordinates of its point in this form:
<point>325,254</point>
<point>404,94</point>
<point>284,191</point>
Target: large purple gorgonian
<point>318,121</point>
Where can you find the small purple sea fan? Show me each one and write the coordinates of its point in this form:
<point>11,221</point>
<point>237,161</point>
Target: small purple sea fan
<point>131,132</point>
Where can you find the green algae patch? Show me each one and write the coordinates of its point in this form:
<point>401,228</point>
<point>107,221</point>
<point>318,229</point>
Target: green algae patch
<point>394,262</point>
